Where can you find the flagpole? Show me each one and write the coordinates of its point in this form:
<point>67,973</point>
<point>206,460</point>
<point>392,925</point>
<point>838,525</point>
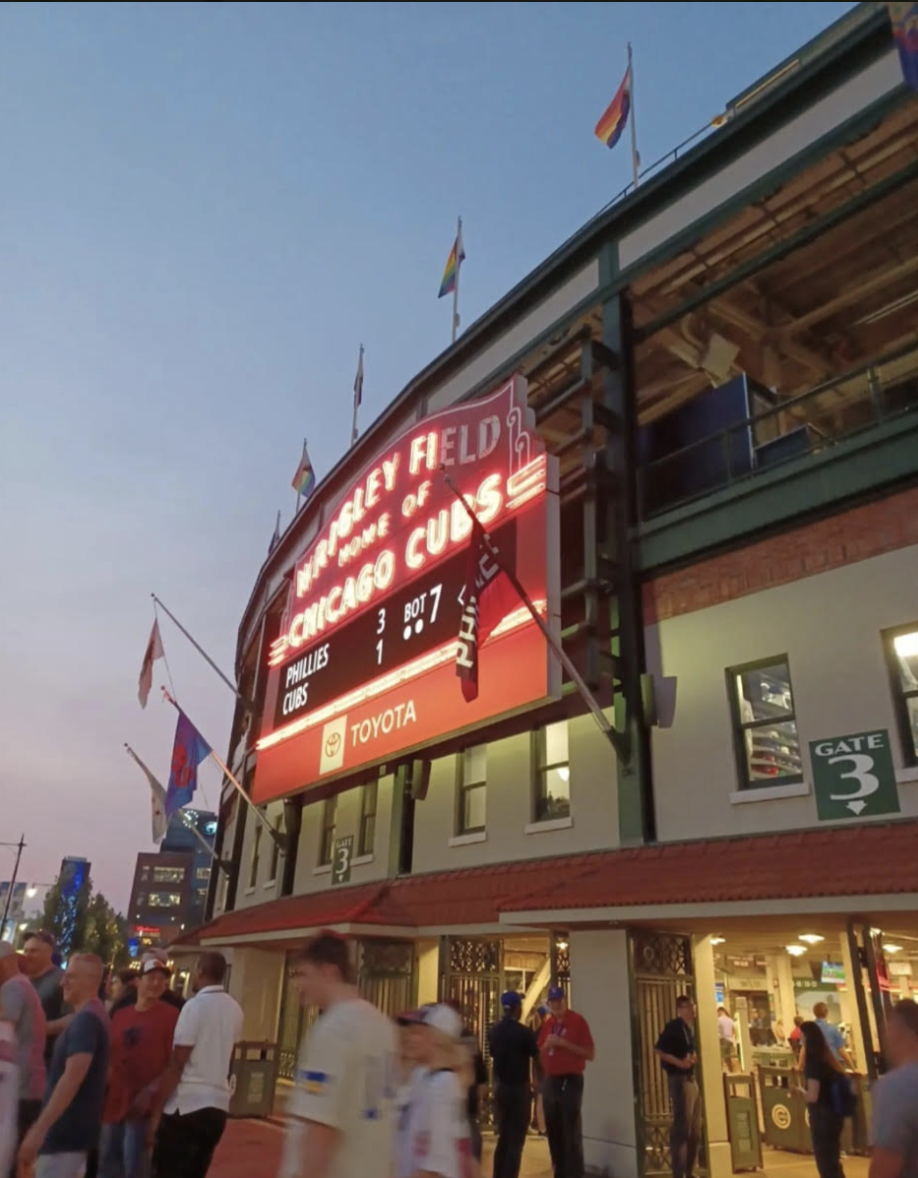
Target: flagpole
<point>615,738</point>
<point>456,283</point>
<point>275,835</point>
<point>635,158</point>
<point>358,385</point>
<point>201,651</point>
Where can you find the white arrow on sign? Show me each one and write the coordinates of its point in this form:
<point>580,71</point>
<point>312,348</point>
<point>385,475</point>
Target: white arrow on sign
<point>869,783</point>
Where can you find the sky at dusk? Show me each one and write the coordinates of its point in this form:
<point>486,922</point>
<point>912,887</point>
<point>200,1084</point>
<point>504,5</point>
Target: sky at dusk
<point>204,210</point>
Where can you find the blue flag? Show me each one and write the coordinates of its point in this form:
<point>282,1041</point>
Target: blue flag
<point>188,752</point>
<point>904,18</point>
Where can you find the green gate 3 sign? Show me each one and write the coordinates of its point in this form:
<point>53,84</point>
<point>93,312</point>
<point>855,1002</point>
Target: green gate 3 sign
<point>853,776</point>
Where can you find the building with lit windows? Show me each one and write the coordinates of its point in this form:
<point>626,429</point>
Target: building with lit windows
<point>693,432</point>
<point>169,892</point>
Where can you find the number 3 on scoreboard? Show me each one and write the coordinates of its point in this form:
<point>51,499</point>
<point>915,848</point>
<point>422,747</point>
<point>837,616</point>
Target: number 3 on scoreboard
<point>380,628</point>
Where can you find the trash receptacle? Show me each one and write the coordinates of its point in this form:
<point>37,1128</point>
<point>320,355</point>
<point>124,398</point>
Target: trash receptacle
<point>253,1077</point>
<point>743,1121</point>
<point>784,1110</point>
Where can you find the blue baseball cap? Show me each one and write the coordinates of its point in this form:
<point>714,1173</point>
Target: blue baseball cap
<point>555,993</point>
<point>510,999</point>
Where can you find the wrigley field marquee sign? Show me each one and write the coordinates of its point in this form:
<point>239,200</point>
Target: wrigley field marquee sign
<point>364,668</point>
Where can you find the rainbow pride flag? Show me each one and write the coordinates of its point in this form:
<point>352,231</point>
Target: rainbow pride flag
<point>612,123</point>
<point>304,481</point>
<point>453,262</point>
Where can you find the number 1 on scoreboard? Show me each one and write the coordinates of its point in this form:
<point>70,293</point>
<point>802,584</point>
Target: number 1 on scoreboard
<point>380,629</point>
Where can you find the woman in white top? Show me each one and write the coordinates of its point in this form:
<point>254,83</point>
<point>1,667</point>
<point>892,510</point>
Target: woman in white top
<point>433,1139</point>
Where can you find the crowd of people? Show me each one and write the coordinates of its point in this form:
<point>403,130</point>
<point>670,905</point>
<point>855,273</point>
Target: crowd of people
<point>119,1077</point>
<point>111,1076</point>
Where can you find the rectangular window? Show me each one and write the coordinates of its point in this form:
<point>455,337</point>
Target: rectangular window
<point>901,647</point>
<point>327,839</point>
<point>552,772</point>
<point>764,723</point>
<point>368,799</point>
<point>168,874</point>
<point>202,873</point>
<point>164,900</point>
<point>472,791</point>
<point>256,855</point>
<point>276,849</point>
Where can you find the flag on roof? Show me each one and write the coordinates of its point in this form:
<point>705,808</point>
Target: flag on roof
<point>304,480</point>
<point>453,262</point>
<point>612,123</point>
<point>904,19</point>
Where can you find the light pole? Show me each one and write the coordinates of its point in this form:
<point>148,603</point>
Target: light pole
<point>9,895</point>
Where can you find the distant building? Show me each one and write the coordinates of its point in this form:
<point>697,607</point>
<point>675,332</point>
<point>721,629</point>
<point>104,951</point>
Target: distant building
<point>170,885</point>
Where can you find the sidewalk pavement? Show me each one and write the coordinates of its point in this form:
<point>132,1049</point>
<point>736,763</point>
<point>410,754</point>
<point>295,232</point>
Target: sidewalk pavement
<point>252,1149</point>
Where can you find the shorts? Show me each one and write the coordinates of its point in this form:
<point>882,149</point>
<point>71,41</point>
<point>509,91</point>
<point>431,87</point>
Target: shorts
<point>727,1049</point>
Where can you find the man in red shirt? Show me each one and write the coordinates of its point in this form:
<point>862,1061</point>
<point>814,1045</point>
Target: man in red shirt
<point>565,1047</point>
<point>141,1045</point>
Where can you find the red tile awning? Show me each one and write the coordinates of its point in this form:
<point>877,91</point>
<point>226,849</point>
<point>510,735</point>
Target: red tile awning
<point>873,859</point>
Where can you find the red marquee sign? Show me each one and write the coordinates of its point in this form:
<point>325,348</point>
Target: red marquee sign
<point>364,668</point>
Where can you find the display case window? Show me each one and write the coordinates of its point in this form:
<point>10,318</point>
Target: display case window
<point>901,646</point>
<point>765,726</point>
<point>329,821</point>
<point>472,789</point>
<point>551,761</point>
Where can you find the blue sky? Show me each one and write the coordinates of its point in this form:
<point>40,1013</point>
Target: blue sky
<point>205,210</point>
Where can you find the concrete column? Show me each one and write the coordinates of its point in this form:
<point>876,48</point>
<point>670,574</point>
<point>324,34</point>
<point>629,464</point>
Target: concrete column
<point>787,1000</point>
<point>256,982</point>
<point>599,969</point>
<point>428,952</point>
<point>720,1162</point>
<point>848,1003</point>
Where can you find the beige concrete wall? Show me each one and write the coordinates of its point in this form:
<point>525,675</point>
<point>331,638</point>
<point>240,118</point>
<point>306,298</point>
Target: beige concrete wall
<point>511,833</point>
<point>847,100</point>
<point>599,967</point>
<point>428,958</point>
<point>720,1163</point>
<point>310,876</point>
<point>829,626</point>
<point>256,981</point>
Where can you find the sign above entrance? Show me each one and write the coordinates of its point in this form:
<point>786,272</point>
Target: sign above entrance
<point>854,776</point>
<point>363,670</point>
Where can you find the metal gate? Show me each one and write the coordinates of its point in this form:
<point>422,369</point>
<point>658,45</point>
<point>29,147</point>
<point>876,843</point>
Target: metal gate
<point>386,975</point>
<point>661,970</point>
<point>472,975</point>
<point>295,1020</point>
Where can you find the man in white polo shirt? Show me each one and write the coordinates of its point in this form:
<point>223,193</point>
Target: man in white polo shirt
<point>194,1095</point>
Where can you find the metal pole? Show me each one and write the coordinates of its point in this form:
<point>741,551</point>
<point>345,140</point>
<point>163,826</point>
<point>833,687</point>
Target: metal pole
<point>203,653</point>
<point>9,895</point>
<point>615,738</point>
<point>458,248</point>
<point>635,158</point>
<point>358,392</point>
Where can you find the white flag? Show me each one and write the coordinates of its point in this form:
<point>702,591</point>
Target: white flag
<point>157,801</point>
<point>153,652</point>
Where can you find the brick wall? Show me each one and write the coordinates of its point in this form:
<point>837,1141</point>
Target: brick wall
<point>814,548</point>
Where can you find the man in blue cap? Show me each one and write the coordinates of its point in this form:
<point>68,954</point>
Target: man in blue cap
<point>513,1048</point>
<point>566,1046</point>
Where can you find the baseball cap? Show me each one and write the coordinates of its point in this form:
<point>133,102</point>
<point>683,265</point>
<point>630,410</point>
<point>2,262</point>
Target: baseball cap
<point>509,999</point>
<point>556,993</point>
<point>443,1019</point>
<point>151,964</point>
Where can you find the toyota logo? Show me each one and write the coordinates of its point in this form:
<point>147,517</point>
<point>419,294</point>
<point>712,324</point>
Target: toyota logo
<point>332,744</point>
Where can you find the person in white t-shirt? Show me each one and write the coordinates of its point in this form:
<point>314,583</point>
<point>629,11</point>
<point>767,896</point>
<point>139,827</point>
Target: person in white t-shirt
<point>343,1106</point>
<point>193,1100</point>
<point>435,1140</point>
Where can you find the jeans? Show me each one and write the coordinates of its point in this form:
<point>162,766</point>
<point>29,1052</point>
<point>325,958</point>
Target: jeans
<point>121,1151</point>
<point>563,1096</point>
<point>185,1144</point>
<point>60,1165</point>
<point>512,1103</point>
<point>825,1131</point>
<point>686,1127</point>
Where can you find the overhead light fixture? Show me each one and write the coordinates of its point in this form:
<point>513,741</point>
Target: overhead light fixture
<point>906,645</point>
<point>891,948</point>
<point>31,891</point>
<point>561,945</point>
<point>796,950</point>
<point>718,940</point>
<point>811,938</point>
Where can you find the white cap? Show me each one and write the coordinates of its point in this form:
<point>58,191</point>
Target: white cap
<point>151,963</point>
<point>443,1019</point>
